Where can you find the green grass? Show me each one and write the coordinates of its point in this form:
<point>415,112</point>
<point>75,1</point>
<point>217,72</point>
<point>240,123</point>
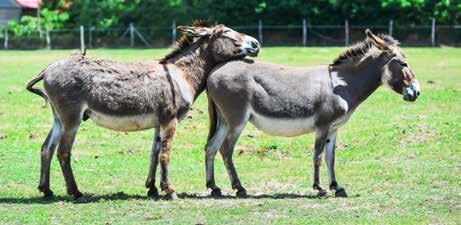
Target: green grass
<point>400,162</point>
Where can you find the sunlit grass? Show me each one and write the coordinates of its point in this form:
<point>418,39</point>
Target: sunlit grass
<point>399,161</point>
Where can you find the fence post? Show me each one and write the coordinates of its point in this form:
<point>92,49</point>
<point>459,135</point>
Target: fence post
<point>5,42</point>
<point>173,32</point>
<point>304,33</point>
<point>260,32</point>
<point>391,27</point>
<point>433,32</point>
<point>82,38</point>
<point>48,39</point>
<point>141,37</point>
<point>131,35</point>
<point>346,30</point>
<point>90,36</point>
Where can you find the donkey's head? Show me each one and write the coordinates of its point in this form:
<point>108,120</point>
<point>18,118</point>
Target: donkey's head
<point>223,43</point>
<point>396,72</point>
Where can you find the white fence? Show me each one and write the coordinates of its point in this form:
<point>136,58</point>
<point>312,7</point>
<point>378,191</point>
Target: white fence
<point>304,34</point>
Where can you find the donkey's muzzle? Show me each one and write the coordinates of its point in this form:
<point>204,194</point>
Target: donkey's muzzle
<point>253,52</point>
<point>251,46</point>
<point>411,92</point>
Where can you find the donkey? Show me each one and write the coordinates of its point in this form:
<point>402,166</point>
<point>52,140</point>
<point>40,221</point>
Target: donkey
<point>133,96</point>
<point>286,101</point>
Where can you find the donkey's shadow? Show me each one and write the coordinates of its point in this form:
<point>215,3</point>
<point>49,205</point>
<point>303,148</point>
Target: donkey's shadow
<point>90,198</point>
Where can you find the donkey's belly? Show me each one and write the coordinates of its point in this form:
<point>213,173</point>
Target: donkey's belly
<point>282,126</point>
<point>124,123</point>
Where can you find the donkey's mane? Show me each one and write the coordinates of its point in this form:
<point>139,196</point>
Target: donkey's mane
<point>360,48</point>
<point>185,41</point>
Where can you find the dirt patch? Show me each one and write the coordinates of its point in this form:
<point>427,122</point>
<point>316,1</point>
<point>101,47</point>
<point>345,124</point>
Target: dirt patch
<point>16,89</point>
<point>253,134</point>
<point>264,152</point>
<point>32,135</point>
<point>417,134</point>
<point>245,150</point>
<point>341,146</point>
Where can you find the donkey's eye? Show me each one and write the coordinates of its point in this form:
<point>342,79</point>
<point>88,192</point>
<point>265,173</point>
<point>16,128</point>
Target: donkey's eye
<point>404,64</point>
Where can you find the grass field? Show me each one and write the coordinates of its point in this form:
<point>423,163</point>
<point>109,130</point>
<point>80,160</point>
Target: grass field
<point>400,162</point>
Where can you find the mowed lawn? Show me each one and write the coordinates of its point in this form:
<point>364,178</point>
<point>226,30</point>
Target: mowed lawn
<point>400,162</point>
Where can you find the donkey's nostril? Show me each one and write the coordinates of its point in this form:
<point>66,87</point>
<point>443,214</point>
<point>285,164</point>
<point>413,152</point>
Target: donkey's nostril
<point>254,44</point>
<point>417,93</point>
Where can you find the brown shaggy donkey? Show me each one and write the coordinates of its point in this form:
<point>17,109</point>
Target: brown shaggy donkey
<point>133,96</point>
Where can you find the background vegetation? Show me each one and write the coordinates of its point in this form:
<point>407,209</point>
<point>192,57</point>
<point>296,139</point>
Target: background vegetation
<point>161,13</point>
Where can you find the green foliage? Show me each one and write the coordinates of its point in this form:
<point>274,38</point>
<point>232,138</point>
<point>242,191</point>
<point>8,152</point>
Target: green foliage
<point>161,13</point>
<point>28,25</point>
<point>102,14</point>
<point>155,13</point>
<point>52,19</point>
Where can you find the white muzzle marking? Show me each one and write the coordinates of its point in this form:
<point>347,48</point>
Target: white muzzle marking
<point>250,46</point>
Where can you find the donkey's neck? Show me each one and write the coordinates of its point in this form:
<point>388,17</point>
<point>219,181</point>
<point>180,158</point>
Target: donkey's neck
<point>362,80</point>
<point>196,63</point>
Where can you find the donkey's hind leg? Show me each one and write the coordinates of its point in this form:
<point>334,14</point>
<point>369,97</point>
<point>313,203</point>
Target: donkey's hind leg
<point>227,150</point>
<point>150,182</point>
<point>320,140</point>
<point>46,153</point>
<point>70,125</point>
<point>211,149</point>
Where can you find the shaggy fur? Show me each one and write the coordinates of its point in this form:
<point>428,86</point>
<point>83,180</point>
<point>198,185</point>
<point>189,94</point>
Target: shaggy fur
<point>359,49</point>
<point>185,41</point>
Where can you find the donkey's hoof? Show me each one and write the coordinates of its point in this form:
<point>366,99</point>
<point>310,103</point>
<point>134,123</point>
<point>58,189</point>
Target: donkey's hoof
<point>242,193</point>
<point>48,194</point>
<point>216,193</point>
<point>77,194</point>
<point>171,196</point>
<point>341,193</point>
<point>321,193</point>
<point>153,193</point>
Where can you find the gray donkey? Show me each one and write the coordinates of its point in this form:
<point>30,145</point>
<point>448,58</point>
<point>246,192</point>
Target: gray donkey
<point>286,101</point>
<point>133,96</point>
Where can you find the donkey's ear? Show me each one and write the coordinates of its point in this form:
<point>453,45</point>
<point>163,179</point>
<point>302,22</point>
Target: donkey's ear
<point>377,41</point>
<point>195,31</point>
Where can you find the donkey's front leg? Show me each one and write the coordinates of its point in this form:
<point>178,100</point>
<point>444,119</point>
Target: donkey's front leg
<point>320,140</point>
<point>150,182</point>
<point>330,160</point>
<point>166,135</point>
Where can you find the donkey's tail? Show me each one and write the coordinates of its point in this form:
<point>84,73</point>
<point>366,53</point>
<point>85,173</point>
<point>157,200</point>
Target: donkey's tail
<point>213,117</point>
<point>30,86</point>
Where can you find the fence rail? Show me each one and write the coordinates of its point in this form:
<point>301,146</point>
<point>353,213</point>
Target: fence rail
<point>303,34</point>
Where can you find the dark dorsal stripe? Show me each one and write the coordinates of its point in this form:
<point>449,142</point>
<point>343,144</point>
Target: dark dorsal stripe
<point>359,49</point>
<point>185,41</point>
